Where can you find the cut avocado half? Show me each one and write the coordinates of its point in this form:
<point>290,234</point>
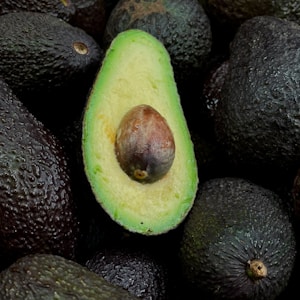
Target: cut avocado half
<point>135,92</point>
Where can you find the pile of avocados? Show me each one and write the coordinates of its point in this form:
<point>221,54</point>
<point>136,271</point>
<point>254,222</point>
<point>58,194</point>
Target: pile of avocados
<point>149,149</point>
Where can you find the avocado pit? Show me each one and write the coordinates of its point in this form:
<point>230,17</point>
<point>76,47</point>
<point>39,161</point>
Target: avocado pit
<point>144,145</point>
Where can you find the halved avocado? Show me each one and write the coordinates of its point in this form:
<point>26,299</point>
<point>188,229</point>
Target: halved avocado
<point>135,92</point>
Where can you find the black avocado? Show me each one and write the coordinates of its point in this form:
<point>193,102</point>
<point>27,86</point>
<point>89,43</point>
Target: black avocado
<point>48,276</point>
<point>63,9</point>
<point>257,117</point>
<point>37,210</point>
<point>238,241</point>
<point>135,269</point>
<point>48,63</point>
<point>234,13</point>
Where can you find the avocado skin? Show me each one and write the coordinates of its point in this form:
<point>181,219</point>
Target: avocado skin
<point>47,276</point>
<point>96,227</point>
<point>37,210</point>
<point>256,120</point>
<point>232,221</point>
<point>37,55</point>
<point>91,16</point>
<point>53,7</point>
<point>182,26</point>
<point>134,269</point>
<point>234,13</point>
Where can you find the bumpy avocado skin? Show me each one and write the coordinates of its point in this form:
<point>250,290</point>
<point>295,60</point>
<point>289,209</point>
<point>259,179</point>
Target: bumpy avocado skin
<point>236,12</point>
<point>37,211</point>
<point>136,270</point>
<point>182,26</point>
<point>63,9</point>
<point>257,119</point>
<point>40,53</point>
<point>233,221</point>
<point>46,276</point>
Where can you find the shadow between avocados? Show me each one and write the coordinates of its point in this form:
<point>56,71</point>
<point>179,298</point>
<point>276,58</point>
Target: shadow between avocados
<point>137,150</point>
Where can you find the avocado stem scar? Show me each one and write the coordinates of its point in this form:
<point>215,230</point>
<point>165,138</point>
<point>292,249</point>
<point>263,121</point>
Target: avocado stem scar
<point>256,269</point>
<point>80,48</point>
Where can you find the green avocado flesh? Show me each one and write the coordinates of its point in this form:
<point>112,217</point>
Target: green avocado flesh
<point>137,71</point>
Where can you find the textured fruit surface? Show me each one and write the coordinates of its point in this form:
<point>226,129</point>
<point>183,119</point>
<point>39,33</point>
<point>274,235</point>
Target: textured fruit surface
<point>63,9</point>
<point>238,241</point>
<point>257,120</point>
<point>40,53</point>
<point>136,270</point>
<point>37,210</point>
<point>46,276</point>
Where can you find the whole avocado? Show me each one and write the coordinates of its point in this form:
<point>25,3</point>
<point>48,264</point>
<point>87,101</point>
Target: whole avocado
<point>37,210</point>
<point>48,276</point>
<point>41,54</point>
<point>257,118</point>
<point>238,241</point>
<point>48,63</point>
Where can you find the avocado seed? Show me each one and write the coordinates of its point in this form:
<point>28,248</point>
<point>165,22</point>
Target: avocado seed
<point>144,145</point>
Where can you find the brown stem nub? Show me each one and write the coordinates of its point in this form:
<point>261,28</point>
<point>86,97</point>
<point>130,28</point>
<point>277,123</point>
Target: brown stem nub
<point>256,269</point>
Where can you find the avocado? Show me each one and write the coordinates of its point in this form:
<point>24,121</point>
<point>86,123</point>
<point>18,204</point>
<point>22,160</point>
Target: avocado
<point>238,241</point>
<point>37,208</point>
<point>96,227</point>
<point>134,269</point>
<point>91,16</point>
<point>295,195</point>
<point>48,276</point>
<point>63,9</point>
<point>137,150</point>
<point>234,13</point>
<point>213,84</point>
<point>182,26</point>
<point>257,118</point>
<point>47,62</point>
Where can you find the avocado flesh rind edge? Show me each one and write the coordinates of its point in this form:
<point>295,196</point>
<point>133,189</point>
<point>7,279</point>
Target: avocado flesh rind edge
<point>169,200</point>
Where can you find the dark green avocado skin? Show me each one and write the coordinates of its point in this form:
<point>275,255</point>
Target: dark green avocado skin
<point>234,13</point>
<point>37,211</point>
<point>257,119</point>
<point>46,276</point>
<point>38,54</point>
<point>55,8</point>
<point>135,270</point>
<point>233,221</point>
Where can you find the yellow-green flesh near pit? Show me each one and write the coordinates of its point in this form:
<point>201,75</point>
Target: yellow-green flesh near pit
<point>137,70</point>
